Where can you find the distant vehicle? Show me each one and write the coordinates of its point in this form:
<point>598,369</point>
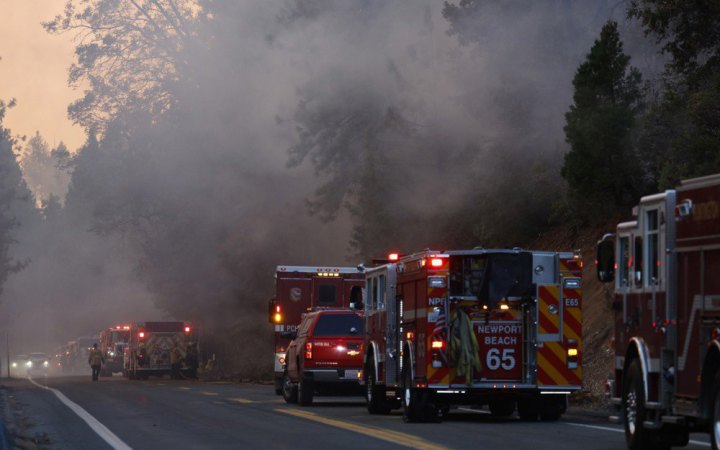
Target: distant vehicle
<point>38,364</point>
<point>325,357</point>
<point>298,288</point>
<point>148,351</point>
<point>79,353</point>
<point>112,344</point>
<point>18,366</point>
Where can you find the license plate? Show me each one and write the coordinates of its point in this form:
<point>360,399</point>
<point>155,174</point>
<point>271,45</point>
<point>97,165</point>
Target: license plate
<point>351,374</point>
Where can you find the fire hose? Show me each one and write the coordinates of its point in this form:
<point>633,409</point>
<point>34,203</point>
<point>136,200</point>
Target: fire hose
<point>463,346</point>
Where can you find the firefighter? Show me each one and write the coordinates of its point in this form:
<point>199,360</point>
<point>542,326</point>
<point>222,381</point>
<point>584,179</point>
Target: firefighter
<point>191,359</point>
<point>175,359</point>
<point>95,359</point>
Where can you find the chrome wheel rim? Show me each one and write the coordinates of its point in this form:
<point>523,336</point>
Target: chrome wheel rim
<point>631,407</point>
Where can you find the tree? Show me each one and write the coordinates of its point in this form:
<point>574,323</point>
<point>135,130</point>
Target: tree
<point>602,167</point>
<point>13,192</point>
<point>680,138</point>
<point>129,53</point>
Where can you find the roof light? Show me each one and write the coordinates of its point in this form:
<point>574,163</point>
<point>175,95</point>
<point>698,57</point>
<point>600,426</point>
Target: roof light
<point>393,257</point>
<point>187,329</point>
<point>438,344</point>
<point>141,334</point>
<point>504,306</point>
<point>436,262</point>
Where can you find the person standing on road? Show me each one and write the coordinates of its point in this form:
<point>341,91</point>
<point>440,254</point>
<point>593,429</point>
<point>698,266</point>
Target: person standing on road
<point>95,359</point>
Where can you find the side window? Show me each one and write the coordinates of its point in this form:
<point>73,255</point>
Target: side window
<point>381,292</point>
<point>367,294</point>
<point>623,279</point>
<point>653,253</point>
<point>375,293</point>
<point>638,266</point>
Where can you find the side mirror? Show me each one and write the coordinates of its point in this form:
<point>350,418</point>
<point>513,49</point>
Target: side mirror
<point>288,335</point>
<point>605,260</point>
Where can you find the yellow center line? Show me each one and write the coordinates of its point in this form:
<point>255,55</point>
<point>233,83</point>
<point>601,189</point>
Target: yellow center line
<point>183,388</point>
<point>395,437</point>
<point>240,400</point>
<point>209,393</point>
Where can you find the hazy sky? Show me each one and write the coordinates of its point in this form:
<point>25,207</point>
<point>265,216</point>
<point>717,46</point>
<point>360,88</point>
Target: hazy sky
<point>33,70</point>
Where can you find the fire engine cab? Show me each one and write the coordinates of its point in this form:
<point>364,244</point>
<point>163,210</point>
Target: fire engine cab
<point>665,264</point>
<point>299,289</point>
<point>481,327</point>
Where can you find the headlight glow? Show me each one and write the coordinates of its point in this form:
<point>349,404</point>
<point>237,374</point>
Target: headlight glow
<point>45,364</point>
<point>14,364</point>
<point>29,363</point>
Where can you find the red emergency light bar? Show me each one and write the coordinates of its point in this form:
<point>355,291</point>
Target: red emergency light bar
<point>393,256</point>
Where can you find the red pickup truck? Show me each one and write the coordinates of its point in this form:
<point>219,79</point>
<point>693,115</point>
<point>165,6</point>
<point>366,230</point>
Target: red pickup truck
<point>325,356</point>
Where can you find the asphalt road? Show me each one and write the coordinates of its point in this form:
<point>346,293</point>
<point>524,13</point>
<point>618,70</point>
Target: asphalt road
<point>159,414</point>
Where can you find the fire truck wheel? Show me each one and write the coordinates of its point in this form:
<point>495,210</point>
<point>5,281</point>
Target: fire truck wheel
<point>289,389</point>
<point>375,395</point>
<point>414,402</point>
<point>527,409</point>
<point>501,407</point>
<point>305,391</point>
<point>633,410</point>
<point>715,422</point>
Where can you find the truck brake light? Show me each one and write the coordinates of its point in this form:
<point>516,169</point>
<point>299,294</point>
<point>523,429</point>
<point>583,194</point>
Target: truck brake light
<point>187,329</point>
<point>436,262</point>
<point>141,335</point>
<point>308,350</point>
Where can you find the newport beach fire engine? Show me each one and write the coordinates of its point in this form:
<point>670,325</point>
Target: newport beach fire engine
<point>149,349</point>
<point>300,288</point>
<point>666,268</point>
<point>495,327</point>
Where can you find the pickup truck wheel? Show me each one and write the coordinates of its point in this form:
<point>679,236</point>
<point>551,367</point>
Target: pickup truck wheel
<point>375,395</point>
<point>305,391</point>
<point>289,389</point>
<point>715,420</point>
<point>634,413</point>
<point>501,408</point>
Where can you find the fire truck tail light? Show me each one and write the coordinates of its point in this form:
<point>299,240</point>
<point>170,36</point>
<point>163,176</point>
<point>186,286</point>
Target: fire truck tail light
<point>438,344</point>
<point>277,317</point>
<point>187,329</point>
<point>436,262</point>
<point>572,354</point>
<point>308,350</point>
<point>410,335</point>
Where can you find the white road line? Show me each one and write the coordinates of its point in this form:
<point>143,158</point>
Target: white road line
<point>101,430</point>
<point>620,430</point>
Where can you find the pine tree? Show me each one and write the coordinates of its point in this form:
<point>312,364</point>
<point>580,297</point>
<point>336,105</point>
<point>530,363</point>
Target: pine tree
<point>602,167</point>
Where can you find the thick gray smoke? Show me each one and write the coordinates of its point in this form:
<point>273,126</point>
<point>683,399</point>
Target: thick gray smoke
<point>397,127</point>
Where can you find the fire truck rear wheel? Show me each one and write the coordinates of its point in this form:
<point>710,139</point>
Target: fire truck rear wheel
<point>633,411</point>
<point>305,391</point>
<point>375,395</point>
<point>527,409</point>
<point>715,420</point>
<point>501,408</point>
<point>415,404</point>
<point>289,389</point>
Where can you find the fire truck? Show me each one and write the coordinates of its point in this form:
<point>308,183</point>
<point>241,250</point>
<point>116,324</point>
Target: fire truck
<point>299,289</point>
<point>149,349</point>
<point>112,345</point>
<point>665,265</point>
<point>500,328</point>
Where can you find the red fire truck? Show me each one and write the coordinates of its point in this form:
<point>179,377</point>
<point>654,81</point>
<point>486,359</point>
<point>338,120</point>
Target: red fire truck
<point>150,347</point>
<point>112,344</point>
<point>666,265</point>
<point>300,288</point>
<point>480,327</point>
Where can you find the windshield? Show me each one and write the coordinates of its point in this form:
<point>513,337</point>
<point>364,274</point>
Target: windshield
<point>38,356</point>
<point>490,277</point>
<point>339,325</point>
